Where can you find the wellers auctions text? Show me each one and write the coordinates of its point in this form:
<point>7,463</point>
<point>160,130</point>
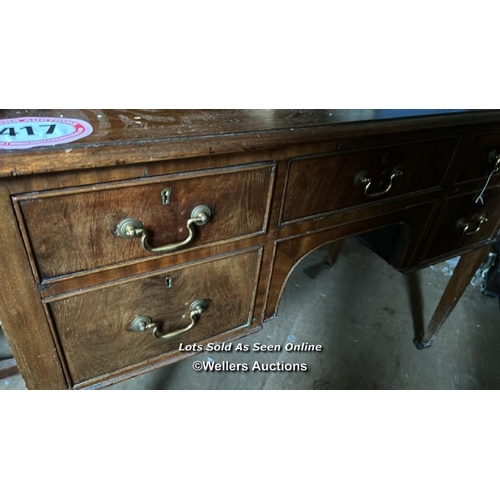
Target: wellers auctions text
<point>227,366</point>
<point>257,366</point>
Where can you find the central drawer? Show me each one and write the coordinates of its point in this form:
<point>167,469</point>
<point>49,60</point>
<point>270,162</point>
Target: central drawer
<point>81,229</point>
<point>96,328</point>
<point>324,183</point>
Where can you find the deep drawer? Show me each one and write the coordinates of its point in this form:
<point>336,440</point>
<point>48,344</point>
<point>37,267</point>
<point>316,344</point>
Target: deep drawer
<point>96,328</point>
<point>321,184</point>
<point>74,230</point>
<point>464,223</point>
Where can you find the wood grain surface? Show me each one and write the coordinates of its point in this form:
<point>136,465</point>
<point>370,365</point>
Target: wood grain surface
<point>94,327</point>
<point>289,252</point>
<point>280,183</point>
<point>129,136</point>
<point>21,312</point>
<point>71,231</point>
<point>332,178</point>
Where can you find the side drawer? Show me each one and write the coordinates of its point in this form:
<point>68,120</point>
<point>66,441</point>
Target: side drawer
<point>96,331</point>
<point>321,184</point>
<point>464,223</point>
<point>482,158</point>
<point>74,230</point>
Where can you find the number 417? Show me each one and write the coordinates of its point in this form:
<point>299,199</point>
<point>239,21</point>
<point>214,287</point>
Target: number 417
<point>11,131</point>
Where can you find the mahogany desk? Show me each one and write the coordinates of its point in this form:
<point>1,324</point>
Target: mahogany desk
<point>169,226</point>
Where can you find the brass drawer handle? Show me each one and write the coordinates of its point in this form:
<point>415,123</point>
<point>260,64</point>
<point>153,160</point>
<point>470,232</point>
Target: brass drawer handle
<point>145,323</point>
<point>494,158</point>
<point>464,225</point>
<point>132,228</point>
<point>361,179</point>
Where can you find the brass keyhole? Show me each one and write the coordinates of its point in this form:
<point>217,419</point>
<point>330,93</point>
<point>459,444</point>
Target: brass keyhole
<point>165,196</point>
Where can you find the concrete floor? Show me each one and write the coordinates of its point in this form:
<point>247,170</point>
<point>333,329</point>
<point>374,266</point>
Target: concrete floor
<point>360,312</point>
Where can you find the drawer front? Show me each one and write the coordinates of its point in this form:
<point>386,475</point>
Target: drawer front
<point>321,184</point>
<point>96,328</point>
<point>77,230</point>
<point>463,223</point>
<point>482,158</point>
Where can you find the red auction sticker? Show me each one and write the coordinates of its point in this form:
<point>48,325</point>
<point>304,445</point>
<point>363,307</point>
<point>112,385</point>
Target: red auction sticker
<point>32,132</point>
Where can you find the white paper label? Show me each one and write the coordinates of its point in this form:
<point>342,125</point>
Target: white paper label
<point>32,132</point>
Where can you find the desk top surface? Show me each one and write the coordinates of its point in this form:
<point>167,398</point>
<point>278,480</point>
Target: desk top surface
<point>124,136</point>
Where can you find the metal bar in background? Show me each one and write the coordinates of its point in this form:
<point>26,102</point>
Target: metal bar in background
<point>8,368</point>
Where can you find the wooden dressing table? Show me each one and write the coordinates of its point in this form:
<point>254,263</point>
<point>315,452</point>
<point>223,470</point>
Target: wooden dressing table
<point>169,226</point>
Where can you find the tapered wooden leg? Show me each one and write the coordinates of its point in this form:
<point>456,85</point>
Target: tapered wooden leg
<point>465,270</point>
<point>334,250</point>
